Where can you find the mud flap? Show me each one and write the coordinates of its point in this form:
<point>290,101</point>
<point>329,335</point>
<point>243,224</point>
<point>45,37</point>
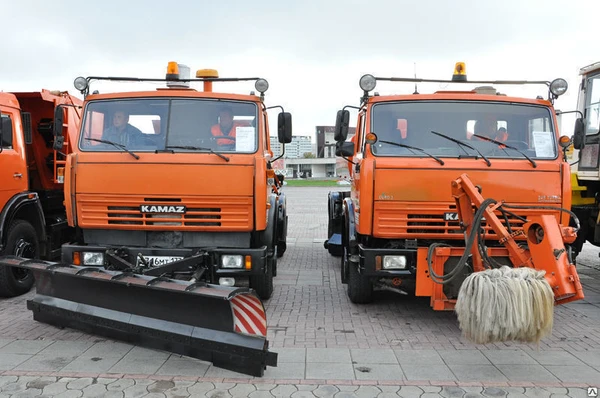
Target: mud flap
<point>220,324</point>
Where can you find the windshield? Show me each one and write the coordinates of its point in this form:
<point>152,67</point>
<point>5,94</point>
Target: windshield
<point>174,125</point>
<point>592,105</point>
<point>435,126</point>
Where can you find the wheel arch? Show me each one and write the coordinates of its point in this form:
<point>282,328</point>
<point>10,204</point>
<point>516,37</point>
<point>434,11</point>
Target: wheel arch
<point>24,206</point>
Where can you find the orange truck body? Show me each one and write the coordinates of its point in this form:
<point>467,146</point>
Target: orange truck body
<point>401,199</point>
<point>168,204</point>
<point>32,214</point>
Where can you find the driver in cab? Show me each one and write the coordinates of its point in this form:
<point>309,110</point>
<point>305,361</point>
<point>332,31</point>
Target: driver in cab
<point>490,132</point>
<point>224,131</point>
<point>121,132</point>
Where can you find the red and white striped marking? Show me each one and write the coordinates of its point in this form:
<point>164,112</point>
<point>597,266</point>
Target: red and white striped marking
<point>249,315</point>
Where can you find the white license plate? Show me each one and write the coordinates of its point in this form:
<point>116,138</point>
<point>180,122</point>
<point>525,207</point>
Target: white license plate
<point>155,261</point>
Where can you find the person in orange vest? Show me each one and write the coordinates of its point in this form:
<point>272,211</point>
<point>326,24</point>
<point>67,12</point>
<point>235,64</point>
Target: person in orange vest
<point>501,135</point>
<point>225,127</point>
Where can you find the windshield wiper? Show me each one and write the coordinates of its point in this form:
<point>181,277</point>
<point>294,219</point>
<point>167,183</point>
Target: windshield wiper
<point>415,148</point>
<point>503,145</point>
<point>117,145</point>
<point>459,142</point>
<point>197,148</point>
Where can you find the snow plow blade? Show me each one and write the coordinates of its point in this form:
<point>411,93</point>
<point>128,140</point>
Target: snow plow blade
<point>220,324</point>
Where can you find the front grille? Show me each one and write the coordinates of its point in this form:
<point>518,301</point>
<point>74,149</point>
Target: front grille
<point>200,214</point>
<point>418,220</point>
<point>193,217</point>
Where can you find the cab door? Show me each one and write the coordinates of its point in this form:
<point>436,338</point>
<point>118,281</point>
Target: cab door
<point>13,166</point>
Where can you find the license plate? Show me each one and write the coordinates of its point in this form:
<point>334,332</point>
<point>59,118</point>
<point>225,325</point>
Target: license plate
<point>156,261</point>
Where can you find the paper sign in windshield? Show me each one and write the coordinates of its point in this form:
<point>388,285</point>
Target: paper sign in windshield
<point>544,144</point>
<point>244,139</point>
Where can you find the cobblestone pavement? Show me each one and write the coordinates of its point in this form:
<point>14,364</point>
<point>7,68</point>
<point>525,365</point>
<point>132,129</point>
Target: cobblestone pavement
<point>327,346</point>
<point>111,386</point>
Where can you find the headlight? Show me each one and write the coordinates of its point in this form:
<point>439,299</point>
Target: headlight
<point>80,83</point>
<point>367,82</point>
<point>93,258</point>
<point>394,262</point>
<point>232,261</point>
<point>558,86</point>
<point>261,85</point>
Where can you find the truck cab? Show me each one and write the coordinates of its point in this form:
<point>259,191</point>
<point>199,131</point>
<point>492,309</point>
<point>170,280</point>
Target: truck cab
<point>407,151</point>
<point>585,157</point>
<point>32,215</point>
<point>178,182</point>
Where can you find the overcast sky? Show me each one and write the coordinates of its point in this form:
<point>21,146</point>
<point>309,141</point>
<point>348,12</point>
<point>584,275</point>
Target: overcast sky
<point>311,52</point>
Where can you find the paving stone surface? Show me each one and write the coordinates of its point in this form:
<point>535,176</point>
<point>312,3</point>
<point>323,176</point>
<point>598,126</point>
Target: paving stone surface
<point>327,346</point>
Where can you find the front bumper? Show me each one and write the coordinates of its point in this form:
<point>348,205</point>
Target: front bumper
<point>371,262</point>
<point>191,259</point>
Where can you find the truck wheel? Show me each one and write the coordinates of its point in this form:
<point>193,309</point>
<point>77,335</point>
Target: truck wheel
<point>344,267</point>
<point>360,289</point>
<point>21,241</point>
<point>281,247</point>
<point>274,263</point>
<point>263,284</point>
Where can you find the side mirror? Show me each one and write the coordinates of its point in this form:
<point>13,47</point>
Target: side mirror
<point>344,148</point>
<point>58,128</point>
<point>579,134</point>
<point>284,127</point>
<point>59,142</point>
<point>342,121</point>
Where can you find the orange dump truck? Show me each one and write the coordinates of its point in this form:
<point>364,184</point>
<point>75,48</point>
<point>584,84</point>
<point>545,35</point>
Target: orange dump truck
<point>421,161</point>
<point>33,221</point>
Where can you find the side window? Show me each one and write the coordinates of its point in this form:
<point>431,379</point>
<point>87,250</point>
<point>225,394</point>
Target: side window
<point>592,105</point>
<point>7,132</point>
<point>267,143</point>
<point>94,126</point>
<point>361,132</point>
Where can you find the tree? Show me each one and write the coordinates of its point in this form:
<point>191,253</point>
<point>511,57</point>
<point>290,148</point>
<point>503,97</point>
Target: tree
<point>308,155</point>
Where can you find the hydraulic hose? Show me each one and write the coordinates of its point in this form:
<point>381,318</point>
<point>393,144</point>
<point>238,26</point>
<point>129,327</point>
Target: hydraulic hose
<point>473,234</point>
<point>578,225</point>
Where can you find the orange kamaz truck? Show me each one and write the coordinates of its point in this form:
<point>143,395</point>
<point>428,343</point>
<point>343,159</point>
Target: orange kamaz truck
<point>450,183</point>
<point>178,215</point>
<point>33,221</point>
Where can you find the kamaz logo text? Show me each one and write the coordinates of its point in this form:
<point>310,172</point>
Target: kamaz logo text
<point>450,216</point>
<point>162,209</point>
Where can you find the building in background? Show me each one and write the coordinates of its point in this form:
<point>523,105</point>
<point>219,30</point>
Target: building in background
<point>302,159</point>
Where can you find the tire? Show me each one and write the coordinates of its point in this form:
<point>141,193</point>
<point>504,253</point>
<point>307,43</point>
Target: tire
<point>263,284</point>
<point>274,263</point>
<point>21,241</point>
<point>282,244</point>
<point>360,289</point>
<point>344,266</point>
<point>281,248</point>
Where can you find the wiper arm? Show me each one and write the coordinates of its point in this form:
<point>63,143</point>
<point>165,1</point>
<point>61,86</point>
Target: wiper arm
<point>464,144</point>
<point>503,145</point>
<point>117,145</point>
<point>197,148</point>
<point>415,148</point>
